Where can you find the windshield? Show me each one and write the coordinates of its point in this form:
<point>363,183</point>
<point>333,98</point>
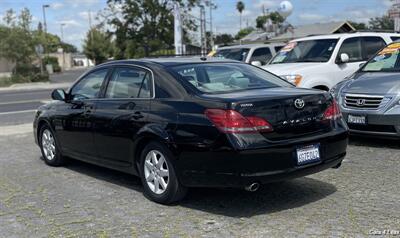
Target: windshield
<point>387,60</point>
<point>238,54</point>
<point>306,51</point>
<point>227,77</point>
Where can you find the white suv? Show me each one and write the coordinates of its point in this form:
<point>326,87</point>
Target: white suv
<point>323,61</point>
<point>256,54</point>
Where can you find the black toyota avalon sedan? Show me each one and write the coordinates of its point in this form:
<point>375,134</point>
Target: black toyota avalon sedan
<point>186,122</point>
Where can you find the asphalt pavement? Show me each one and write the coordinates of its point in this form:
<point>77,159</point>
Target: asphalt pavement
<point>18,104</point>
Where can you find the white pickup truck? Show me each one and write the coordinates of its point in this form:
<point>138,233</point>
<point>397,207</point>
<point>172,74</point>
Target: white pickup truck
<point>323,61</point>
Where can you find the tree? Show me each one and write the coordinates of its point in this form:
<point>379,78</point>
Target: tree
<point>240,7</point>
<point>97,46</point>
<point>381,23</point>
<point>16,41</point>
<point>275,18</point>
<point>244,32</point>
<point>141,27</point>
<point>223,39</point>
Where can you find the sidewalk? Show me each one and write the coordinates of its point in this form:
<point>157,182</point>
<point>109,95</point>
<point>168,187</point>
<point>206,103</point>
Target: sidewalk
<point>35,86</point>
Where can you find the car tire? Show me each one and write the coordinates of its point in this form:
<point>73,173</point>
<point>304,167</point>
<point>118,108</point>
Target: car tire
<point>51,153</point>
<point>158,176</point>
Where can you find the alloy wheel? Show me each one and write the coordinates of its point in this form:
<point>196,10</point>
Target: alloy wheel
<point>156,171</point>
<point>48,145</point>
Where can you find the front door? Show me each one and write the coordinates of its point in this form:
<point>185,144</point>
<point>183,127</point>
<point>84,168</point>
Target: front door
<point>74,125</point>
<point>121,113</point>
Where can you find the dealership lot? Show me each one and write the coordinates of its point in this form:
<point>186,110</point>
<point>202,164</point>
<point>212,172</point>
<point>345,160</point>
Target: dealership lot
<point>83,200</point>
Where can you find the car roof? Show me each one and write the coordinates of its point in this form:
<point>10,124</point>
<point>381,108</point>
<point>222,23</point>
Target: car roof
<point>170,61</point>
<point>340,35</point>
<point>250,46</point>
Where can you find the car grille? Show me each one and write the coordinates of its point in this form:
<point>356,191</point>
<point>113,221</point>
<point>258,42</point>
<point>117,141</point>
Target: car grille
<point>364,101</point>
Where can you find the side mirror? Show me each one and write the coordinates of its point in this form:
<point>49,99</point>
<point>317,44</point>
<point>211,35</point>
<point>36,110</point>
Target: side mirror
<point>256,63</point>
<point>344,58</point>
<point>58,94</point>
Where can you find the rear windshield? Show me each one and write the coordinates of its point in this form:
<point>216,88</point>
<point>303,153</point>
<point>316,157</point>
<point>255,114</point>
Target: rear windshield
<point>227,77</point>
<point>387,60</point>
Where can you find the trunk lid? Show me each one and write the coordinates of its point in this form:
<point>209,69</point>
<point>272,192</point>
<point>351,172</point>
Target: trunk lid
<point>277,106</point>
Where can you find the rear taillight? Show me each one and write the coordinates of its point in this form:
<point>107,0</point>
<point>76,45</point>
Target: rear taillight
<point>332,112</point>
<point>231,121</point>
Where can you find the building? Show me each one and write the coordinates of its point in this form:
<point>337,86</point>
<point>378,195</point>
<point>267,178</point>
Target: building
<point>300,31</point>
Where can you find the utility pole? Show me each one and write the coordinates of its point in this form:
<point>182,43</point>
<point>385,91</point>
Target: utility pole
<point>62,41</point>
<point>45,27</point>
<point>212,6</point>
<point>203,30</point>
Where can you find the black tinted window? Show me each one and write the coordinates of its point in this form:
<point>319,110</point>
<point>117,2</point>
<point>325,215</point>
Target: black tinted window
<point>371,45</point>
<point>89,87</point>
<point>395,38</point>
<point>129,83</point>
<point>261,54</point>
<point>352,47</point>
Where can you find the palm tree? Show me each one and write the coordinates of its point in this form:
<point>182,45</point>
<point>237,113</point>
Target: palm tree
<point>240,8</point>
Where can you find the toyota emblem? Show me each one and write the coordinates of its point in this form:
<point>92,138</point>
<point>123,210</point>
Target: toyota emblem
<point>299,103</point>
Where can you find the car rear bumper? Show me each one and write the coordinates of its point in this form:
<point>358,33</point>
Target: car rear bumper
<point>240,168</point>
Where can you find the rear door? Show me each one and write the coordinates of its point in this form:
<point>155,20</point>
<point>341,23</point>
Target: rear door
<point>121,113</point>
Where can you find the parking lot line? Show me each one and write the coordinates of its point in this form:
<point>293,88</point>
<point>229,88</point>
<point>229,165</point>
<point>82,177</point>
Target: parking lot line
<point>23,101</point>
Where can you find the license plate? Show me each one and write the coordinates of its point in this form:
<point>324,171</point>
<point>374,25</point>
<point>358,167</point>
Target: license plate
<point>361,120</point>
<point>308,154</point>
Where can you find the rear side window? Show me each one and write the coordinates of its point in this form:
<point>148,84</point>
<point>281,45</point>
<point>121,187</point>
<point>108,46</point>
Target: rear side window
<point>261,54</point>
<point>352,47</point>
<point>89,87</point>
<point>371,45</point>
<point>129,82</point>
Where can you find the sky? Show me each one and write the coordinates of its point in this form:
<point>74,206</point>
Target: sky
<point>74,13</point>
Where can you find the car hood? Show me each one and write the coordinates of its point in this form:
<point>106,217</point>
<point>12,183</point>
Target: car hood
<point>289,68</point>
<point>377,83</point>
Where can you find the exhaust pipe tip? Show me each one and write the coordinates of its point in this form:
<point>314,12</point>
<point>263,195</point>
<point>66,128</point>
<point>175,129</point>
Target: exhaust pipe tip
<point>252,187</point>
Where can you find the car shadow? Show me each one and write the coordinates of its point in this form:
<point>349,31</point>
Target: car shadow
<point>269,198</point>
<point>374,142</point>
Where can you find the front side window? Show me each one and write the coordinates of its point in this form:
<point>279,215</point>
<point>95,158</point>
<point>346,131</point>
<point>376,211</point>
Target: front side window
<point>352,47</point>
<point>261,54</point>
<point>306,51</point>
<point>387,60</point>
<point>129,82</point>
<point>228,77</point>
<point>89,87</point>
<point>239,54</point>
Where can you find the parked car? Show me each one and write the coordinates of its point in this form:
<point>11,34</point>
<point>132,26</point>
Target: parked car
<point>256,54</point>
<point>370,98</point>
<point>191,122</point>
<point>323,61</point>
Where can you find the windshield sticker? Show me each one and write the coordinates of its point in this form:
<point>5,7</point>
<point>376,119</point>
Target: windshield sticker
<point>390,49</point>
<point>289,47</point>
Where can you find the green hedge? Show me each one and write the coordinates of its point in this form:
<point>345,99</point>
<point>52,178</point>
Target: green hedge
<point>53,61</point>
